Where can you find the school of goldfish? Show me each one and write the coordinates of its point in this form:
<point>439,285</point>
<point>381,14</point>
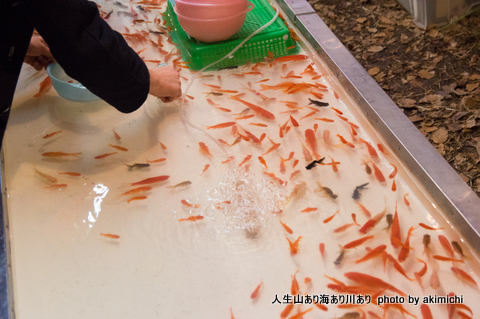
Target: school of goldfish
<point>282,121</point>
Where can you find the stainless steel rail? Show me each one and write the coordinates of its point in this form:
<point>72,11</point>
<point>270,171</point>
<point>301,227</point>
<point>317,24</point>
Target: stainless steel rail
<point>6,298</point>
<point>454,197</point>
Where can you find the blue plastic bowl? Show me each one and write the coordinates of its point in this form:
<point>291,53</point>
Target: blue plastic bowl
<point>73,91</point>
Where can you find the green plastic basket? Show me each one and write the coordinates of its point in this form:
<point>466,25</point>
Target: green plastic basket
<point>275,38</point>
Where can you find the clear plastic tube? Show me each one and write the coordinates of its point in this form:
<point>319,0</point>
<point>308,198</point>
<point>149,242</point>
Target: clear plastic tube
<point>190,82</point>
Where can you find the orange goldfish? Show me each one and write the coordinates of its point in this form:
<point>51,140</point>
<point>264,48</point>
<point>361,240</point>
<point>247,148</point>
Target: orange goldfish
<point>357,242</point>
<point>321,247</point>
<point>222,125</point>
<point>337,110</point>
<point>426,313</point>
<point>446,245</point>
<point>287,229</point>
<point>113,236</point>
<point>381,148</point>
<point>443,258</point>
<point>263,162</point>
<point>245,117</point>
<point>392,175</point>
<point>57,186</point>
<point>289,58</point>
<point>286,311</point>
<point>157,160</point>
<point>378,173</point>
<point>104,155</point>
<point>137,190</point>
<point>309,209</point>
<point>395,235</point>
<point>372,222</point>
<point>255,292</point>
<point>398,267</point>
<point>354,218</point>
<point>294,245</point>
<point>419,274</point>
<point>334,165</point>
<point>204,149</point>
<point>184,202</point>
<point>294,174</point>
<point>343,228</point>
<point>45,86</point>
<point>259,124</point>
<point>344,141</point>
<point>151,180</point>
<point>70,173</point>
<point>328,219</point>
<point>252,137</point>
<point>370,148</point>
<point>257,109</point>
<point>310,141</point>
<point>294,122</point>
<point>182,184</point>
<point>294,288</point>
<point>205,169</point>
<point>246,159</point>
<point>228,159</point>
<point>308,115</point>
<point>463,275</point>
<point>47,177</point>
<point>335,94</point>
<point>324,119</point>
<point>59,154</point>
<point>377,251</point>
<point>191,218</point>
<point>272,148</point>
<point>274,177</point>
<point>404,252</point>
<point>118,147</point>
<point>364,210</point>
<point>52,134</point>
<point>137,198</point>
<point>429,227</point>
<point>116,135</point>
<point>372,282</point>
<point>295,163</point>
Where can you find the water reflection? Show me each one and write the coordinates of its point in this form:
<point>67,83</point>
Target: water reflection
<point>101,191</point>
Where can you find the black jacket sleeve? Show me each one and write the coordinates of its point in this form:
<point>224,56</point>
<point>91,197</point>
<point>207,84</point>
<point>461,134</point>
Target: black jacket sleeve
<point>91,52</point>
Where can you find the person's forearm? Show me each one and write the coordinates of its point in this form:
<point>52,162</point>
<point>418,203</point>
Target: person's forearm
<point>92,53</point>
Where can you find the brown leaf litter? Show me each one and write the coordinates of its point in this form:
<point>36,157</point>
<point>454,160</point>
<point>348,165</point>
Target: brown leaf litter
<point>433,75</point>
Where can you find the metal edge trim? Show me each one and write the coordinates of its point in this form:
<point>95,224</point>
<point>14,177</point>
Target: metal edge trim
<point>6,284</point>
<point>294,8</point>
<point>445,186</point>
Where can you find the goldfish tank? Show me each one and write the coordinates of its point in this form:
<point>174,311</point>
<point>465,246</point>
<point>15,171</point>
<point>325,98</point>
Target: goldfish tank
<point>300,191</point>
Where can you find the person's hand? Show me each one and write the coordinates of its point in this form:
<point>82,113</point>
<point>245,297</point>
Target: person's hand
<point>165,83</point>
<point>38,53</point>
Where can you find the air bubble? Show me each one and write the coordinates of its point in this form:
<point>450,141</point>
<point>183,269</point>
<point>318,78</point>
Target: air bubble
<point>251,200</point>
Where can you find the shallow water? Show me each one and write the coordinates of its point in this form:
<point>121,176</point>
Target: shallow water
<point>162,268</point>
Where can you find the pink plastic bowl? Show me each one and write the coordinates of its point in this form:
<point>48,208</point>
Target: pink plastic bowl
<point>212,30</point>
<point>211,10</point>
<point>214,1</point>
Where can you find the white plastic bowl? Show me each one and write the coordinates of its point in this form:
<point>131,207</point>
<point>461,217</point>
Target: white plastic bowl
<point>211,10</point>
<point>67,87</point>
